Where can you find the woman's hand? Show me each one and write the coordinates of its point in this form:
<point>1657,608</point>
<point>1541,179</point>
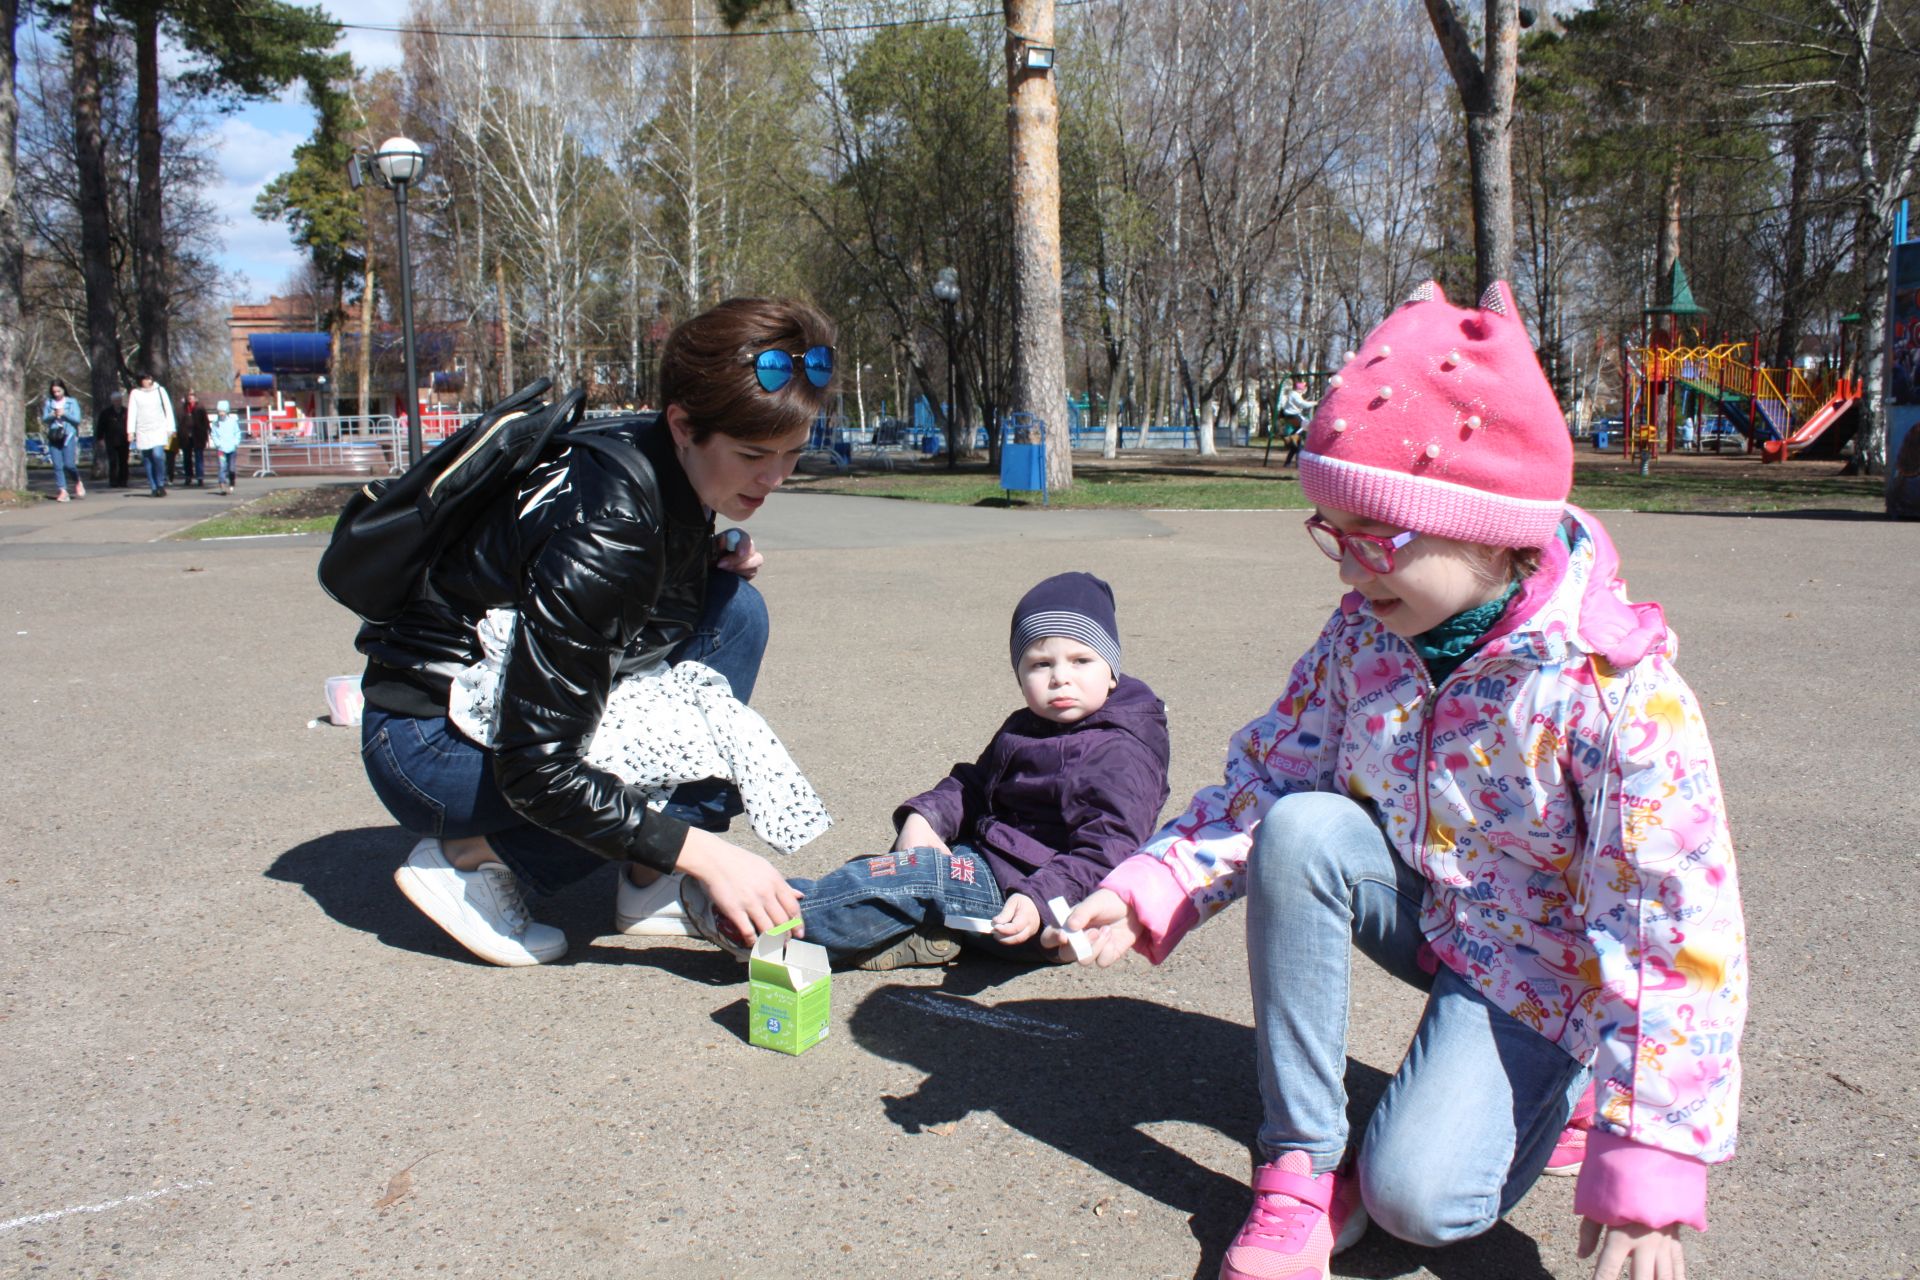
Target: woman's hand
<point>737,554</point>
<point>1109,923</point>
<point>748,894</point>
<point>1648,1253</point>
<point>917,833</point>
<point>1018,920</point>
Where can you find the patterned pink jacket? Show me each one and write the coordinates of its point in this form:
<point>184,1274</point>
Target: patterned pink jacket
<point>1559,795</point>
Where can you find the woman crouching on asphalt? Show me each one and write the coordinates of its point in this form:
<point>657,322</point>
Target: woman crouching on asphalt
<point>609,576</point>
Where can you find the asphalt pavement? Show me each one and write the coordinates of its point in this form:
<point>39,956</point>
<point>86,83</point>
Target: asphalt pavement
<point>230,1047</point>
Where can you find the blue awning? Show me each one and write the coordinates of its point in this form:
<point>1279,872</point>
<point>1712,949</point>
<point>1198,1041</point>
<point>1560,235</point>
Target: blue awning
<point>292,352</point>
<point>256,384</point>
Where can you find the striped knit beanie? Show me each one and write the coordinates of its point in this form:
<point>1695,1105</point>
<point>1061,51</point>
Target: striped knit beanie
<point>1443,422</point>
<point>1077,606</point>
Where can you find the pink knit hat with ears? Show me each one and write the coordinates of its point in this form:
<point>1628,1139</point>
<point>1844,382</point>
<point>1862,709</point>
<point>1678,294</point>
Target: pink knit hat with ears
<point>1443,422</point>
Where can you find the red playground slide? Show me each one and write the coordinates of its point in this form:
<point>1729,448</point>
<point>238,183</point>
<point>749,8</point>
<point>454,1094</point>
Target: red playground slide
<point>1842,399</point>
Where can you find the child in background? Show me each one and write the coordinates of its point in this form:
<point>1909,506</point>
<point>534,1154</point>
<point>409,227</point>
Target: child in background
<point>1488,761</point>
<point>1069,786</point>
<point>226,442</point>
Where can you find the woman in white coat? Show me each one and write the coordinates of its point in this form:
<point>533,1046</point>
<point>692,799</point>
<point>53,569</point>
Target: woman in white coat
<point>150,423</point>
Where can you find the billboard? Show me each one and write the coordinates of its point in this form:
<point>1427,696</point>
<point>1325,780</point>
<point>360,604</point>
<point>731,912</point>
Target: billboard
<point>1903,384</point>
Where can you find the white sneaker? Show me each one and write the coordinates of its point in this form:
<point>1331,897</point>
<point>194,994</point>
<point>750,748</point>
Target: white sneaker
<point>482,909</point>
<point>652,911</point>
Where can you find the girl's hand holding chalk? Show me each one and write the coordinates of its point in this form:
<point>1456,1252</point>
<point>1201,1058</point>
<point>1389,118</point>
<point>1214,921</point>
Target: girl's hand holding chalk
<point>1107,926</point>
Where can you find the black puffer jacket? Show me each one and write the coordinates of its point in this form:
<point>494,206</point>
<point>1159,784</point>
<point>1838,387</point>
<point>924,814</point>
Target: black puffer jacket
<point>608,568</point>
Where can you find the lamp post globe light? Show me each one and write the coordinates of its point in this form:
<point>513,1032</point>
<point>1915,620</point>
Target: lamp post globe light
<point>398,164</point>
<point>946,289</point>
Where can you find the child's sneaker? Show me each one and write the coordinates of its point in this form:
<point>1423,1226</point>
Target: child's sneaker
<point>928,946</point>
<point>699,911</point>
<point>1298,1222</point>
<point>1569,1153</point>
<point>482,909</point>
<point>651,911</point>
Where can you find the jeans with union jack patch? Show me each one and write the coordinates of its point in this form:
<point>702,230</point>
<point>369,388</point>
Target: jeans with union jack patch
<point>871,902</point>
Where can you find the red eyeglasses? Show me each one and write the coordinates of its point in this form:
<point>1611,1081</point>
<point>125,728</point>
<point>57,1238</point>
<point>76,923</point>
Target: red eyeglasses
<point>1374,552</point>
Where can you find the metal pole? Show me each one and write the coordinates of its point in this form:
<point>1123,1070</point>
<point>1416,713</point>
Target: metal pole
<point>953,397</point>
<point>414,449</point>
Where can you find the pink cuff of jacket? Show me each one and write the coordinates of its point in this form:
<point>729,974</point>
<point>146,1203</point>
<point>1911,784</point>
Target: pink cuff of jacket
<point>1164,910</point>
<point>1624,1182</point>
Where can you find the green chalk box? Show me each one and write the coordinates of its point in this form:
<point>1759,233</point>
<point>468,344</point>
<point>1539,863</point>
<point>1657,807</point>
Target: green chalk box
<point>789,992</point>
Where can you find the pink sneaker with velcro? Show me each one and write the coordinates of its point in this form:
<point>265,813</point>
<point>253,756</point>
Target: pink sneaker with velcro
<point>1297,1224</point>
<point>1569,1153</point>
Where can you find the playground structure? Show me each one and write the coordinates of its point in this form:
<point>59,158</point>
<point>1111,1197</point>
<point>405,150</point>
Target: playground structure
<point>1779,412</point>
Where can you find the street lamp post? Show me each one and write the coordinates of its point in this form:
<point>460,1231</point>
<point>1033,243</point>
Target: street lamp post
<point>946,288</point>
<point>398,164</point>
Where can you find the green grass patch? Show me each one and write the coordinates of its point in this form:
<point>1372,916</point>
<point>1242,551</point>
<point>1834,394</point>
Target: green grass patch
<point>1134,489</point>
<point>280,512</point>
<point>1792,487</point>
<point>1239,482</point>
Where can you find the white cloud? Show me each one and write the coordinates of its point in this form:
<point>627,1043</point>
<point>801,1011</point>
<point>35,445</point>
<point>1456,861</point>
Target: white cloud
<point>256,144</point>
<point>250,156</point>
<point>371,50</point>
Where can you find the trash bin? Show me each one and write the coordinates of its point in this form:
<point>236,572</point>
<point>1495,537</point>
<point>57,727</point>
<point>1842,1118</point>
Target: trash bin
<point>1600,438</point>
<point>1023,454</point>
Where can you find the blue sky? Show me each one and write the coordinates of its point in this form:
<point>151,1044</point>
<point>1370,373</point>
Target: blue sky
<point>257,143</point>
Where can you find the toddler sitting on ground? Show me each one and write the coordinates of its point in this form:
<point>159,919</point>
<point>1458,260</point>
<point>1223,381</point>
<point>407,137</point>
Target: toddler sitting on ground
<point>1069,786</point>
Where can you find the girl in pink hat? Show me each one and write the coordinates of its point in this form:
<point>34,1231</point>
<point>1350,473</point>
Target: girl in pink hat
<point>1487,775</point>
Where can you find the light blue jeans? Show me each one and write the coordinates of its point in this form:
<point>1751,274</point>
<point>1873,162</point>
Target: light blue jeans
<point>1472,1114</point>
<point>66,459</point>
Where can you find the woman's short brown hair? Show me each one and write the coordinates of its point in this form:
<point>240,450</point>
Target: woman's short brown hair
<point>706,368</point>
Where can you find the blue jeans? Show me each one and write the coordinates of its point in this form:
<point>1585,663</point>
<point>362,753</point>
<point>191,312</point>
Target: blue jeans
<point>436,782</point>
<point>156,459</point>
<point>193,464</point>
<point>1470,1118</point>
<point>871,902</point>
<point>66,459</point>
<point>227,476</point>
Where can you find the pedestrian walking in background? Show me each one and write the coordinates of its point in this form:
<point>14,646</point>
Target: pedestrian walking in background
<point>226,442</point>
<point>60,424</point>
<point>110,440</point>
<point>150,422</point>
<point>192,434</point>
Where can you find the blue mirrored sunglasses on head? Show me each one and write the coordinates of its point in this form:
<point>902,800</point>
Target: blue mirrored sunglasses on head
<point>774,368</point>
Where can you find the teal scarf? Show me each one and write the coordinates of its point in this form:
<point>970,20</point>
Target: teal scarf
<point>1447,645</point>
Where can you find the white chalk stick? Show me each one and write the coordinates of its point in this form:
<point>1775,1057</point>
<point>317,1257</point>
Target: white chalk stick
<point>1082,949</point>
<point>969,924</point>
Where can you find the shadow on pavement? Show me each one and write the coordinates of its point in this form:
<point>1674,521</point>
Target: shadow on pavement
<point>1085,1076</point>
<point>349,874</point>
<point>1796,513</point>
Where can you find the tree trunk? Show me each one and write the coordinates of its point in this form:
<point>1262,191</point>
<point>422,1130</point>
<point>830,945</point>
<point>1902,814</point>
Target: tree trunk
<point>507,386</point>
<point>149,232</point>
<point>96,242</point>
<point>1793,283</point>
<point>13,456</point>
<point>1875,239</point>
<point>1033,141</point>
<point>1669,248</point>
<point>1486,95</point>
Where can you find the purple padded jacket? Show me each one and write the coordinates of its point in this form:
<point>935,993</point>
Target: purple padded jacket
<point>1054,807</point>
